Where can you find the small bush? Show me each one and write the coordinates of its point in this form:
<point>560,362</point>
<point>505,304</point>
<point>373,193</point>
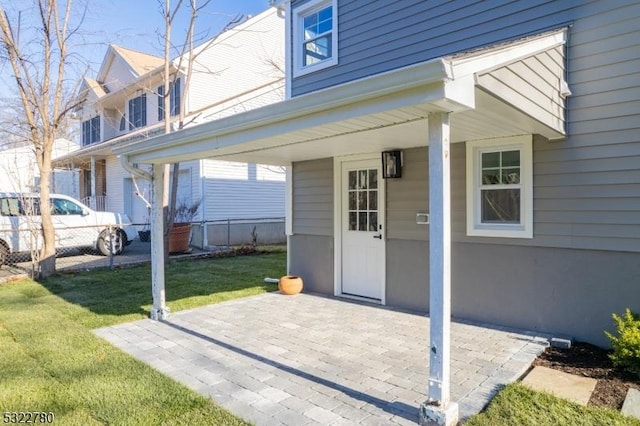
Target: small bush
<point>626,346</point>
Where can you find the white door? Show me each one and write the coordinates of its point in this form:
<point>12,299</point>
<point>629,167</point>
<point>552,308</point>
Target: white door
<point>362,216</point>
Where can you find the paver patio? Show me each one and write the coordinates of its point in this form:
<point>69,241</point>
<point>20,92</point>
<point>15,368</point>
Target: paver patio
<point>307,359</point>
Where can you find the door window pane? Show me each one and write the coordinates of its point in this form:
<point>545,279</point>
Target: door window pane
<point>373,200</point>
<point>353,221</point>
<point>362,200</point>
<point>352,200</point>
<point>353,179</point>
<point>362,221</point>
<point>362,179</point>
<point>373,179</point>
<point>373,221</point>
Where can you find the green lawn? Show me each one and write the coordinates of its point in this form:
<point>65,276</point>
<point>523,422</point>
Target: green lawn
<point>51,361</point>
<point>518,405</point>
<point>109,297</point>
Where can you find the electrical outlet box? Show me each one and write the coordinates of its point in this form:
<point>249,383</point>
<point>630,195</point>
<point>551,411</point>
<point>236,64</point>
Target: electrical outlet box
<point>422,218</point>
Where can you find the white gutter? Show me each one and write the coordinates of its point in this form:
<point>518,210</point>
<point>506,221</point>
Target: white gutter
<point>379,85</point>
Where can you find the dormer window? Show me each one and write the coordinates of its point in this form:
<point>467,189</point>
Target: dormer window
<point>315,36</point>
<point>91,131</point>
<point>138,112</point>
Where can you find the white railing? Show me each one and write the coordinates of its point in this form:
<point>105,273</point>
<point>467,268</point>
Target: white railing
<point>96,202</point>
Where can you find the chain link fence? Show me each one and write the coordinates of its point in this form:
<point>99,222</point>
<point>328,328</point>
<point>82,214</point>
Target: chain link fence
<point>87,246</point>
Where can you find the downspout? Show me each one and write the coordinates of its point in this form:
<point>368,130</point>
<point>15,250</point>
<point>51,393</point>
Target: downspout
<point>135,171</point>
<point>205,234</point>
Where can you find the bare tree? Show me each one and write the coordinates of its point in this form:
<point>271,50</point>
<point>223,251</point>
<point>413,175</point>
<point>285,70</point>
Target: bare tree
<point>186,57</point>
<point>39,67</point>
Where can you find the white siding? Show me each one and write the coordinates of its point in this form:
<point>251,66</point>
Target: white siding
<point>238,61</point>
<point>119,75</point>
<point>18,170</point>
<point>240,191</point>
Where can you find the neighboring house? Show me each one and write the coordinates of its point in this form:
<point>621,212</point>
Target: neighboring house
<point>234,72</point>
<point>19,170</point>
<point>517,124</point>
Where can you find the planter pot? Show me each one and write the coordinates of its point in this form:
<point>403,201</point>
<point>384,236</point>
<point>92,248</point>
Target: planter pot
<point>179,237</point>
<point>290,284</point>
<point>145,236</point>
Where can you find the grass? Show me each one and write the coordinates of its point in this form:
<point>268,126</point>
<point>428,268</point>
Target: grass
<point>52,362</point>
<point>516,404</point>
<point>109,297</point>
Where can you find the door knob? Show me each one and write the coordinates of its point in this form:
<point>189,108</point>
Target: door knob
<point>379,236</point>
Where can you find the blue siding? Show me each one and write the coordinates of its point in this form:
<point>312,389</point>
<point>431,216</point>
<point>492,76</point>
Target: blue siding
<point>378,36</point>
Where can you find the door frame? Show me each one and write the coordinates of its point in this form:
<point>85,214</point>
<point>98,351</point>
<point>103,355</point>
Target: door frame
<point>337,224</point>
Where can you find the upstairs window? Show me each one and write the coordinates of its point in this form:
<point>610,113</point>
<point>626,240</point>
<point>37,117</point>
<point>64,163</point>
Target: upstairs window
<point>91,131</point>
<point>499,188</point>
<point>174,99</point>
<point>315,36</point>
<point>138,112</point>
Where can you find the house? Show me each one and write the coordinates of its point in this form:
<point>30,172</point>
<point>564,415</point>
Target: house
<point>510,189</point>
<point>19,170</point>
<point>235,71</point>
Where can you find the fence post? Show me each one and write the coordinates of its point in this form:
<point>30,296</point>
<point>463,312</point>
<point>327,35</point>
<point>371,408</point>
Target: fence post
<point>110,230</point>
<point>228,234</point>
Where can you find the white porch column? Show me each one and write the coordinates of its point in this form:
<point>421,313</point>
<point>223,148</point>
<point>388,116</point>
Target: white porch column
<point>437,409</point>
<point>94,184</point>
<point>159,311</point>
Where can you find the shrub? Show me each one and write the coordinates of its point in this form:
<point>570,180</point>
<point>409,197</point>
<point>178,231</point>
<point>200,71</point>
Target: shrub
<point>626,346</point>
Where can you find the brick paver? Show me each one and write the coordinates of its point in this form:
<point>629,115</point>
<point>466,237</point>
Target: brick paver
<point>307,359</point>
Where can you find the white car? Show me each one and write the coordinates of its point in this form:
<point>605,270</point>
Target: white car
<point>76,225</point>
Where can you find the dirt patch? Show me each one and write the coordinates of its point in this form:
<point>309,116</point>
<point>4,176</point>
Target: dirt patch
<point>588,360</point>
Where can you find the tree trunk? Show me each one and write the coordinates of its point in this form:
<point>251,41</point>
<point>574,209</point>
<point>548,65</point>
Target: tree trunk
<point>48,250</point>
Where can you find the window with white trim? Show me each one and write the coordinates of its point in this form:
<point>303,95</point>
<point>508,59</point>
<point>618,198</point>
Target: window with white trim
<point>315,36</point>
<point>500,187</point>
<point>174,99</point>
<point>138,112</point>
<point>91,131</point>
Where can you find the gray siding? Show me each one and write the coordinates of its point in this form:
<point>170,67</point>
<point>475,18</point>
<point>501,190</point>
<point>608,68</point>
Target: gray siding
<point>565,292</point>
<point>312,259</point>
<point>591,211</point>
<point>411,31</point>
<point>407,196</point>
<point>313,197</point>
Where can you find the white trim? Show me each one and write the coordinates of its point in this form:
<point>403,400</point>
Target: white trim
<point>524,144</point>
<point>298,15</point>
<point>337,224</point>
<point>288,62</point>
<point>287,116</point>
<point>288,200</point>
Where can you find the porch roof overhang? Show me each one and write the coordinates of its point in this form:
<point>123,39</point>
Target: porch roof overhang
<point>369,114</point>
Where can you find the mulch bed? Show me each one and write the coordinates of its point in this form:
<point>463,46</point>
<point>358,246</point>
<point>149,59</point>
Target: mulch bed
<point>588,360</point>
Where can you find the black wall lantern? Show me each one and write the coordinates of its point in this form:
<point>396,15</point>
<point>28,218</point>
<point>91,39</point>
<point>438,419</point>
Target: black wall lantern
<point>391,164</point>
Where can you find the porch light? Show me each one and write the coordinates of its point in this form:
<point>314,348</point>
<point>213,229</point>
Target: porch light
<point>391,164</point>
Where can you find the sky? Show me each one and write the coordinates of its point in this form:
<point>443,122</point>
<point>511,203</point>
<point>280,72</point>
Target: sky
<point>135,24</point>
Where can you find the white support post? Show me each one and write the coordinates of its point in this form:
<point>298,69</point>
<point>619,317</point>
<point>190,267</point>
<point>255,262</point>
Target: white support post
<point>437,409</point>
<point>94,184</point>
<point>159,311</point>
<point>288,212</point>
